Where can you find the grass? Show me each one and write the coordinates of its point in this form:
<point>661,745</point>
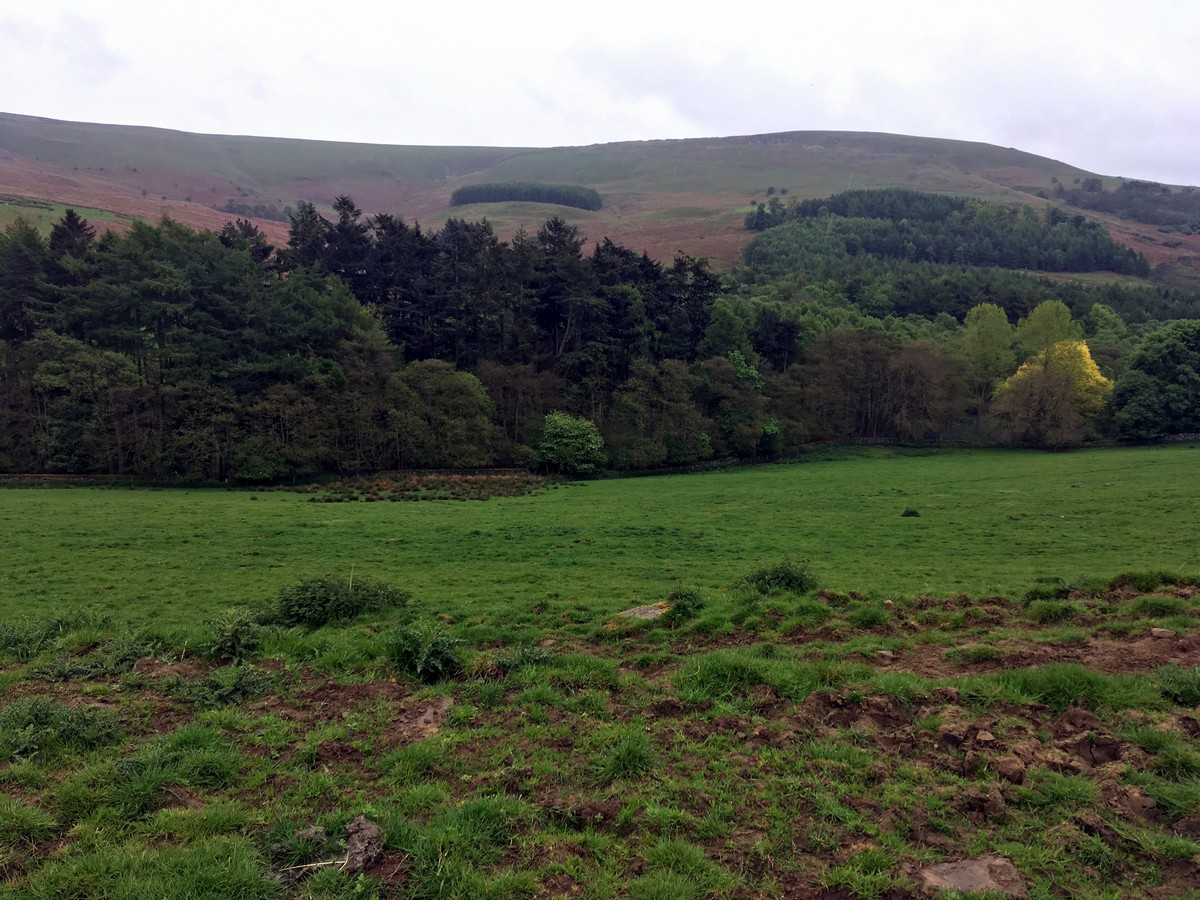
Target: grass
<point>993,523</point>
<point>512,738</point>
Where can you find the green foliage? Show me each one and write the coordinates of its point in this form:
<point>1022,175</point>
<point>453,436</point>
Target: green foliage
<point>220,867</point>
<point>25,638</point>
<point>37,727</point>
<point>1143,582</point>
<point>528,192</point>
<point>786,575</point>
<point>630,756</point>
<point>1179,685</point>
<point>1060,685</point>
<point>223,686</point>
<point>424,649</point>
<point>331,598</point>
<point>1047,612</point>
<point>21,824</point>
<point>684,604</point>
<point>236,635</point>
<point>570,445</point>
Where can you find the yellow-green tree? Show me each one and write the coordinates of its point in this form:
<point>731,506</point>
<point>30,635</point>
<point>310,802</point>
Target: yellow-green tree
<point>1055,395</point>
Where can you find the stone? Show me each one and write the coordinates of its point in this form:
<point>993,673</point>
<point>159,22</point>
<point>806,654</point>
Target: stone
<point>649,611</point>
<point>1010,768</point>
<point>1162,633</point>
<point>987,873</point>
<point>885,654</point>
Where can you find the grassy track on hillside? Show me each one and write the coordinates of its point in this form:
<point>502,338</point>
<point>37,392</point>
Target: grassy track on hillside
<point>991,522</point>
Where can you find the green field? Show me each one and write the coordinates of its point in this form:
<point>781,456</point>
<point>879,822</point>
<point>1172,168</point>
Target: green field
<point>502,733</point>
<point>991,522</point>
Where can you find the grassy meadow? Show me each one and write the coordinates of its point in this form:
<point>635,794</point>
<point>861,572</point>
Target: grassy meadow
<point>986,654</point>
<point>991,522</point>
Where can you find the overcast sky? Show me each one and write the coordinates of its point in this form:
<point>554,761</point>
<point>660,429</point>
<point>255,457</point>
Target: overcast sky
<point>1110,87</point>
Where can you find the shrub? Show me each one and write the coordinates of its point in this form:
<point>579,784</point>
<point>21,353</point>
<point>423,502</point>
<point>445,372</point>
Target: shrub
<point>910,513</point>
<point>330,598</point>
<point>237,634</point>
<point>425,650</point>
<point>784,576</point>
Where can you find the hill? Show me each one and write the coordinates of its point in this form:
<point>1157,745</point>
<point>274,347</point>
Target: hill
<point>661,196</point>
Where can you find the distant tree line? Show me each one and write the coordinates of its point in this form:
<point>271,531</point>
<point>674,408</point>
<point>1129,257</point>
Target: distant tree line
<point>371,344</point>
<point>1143,201</point>
<point>528,192</point>
<point>920,227</point>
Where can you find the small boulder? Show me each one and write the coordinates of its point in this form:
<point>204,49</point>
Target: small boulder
<point>987,873</point>
<point>1162,633</point>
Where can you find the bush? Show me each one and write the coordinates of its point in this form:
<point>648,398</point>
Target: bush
<point>425,650</point>
<point>331,598</point>
<point>785,576</point>
<point>237,634</point>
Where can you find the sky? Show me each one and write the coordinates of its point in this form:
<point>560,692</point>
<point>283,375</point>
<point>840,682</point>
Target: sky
<point>1109,87</point>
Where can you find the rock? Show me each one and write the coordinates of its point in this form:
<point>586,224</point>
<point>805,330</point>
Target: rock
<point>649,611</point>
<point>886,655</point>
<point>987,873</point>
<point>1010,768</point>
<point>1162,633</point>
<point>985,737</point>
<point>364,844</point>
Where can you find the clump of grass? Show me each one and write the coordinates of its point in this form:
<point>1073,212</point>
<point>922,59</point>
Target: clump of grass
<point>1179,685</point>
<point>684,605</point>
<point>1158,607</point>
<point>228,684</point>
<point>784,576</point>
<point>1047,612</point>
<point>113,657</point>
<point>37,727</point>
<point>1143,581</point>
<point>868,616</point>
<point>26,638</point>
<point>330,598</point>
<point>629,757</point>
<point>1059,685</point>
<point>424,649</point>
<point>23,824</point>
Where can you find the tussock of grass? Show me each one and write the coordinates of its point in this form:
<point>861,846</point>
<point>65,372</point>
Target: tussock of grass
<point>1060,685</point>
<point>1179,685</point>
<point>37,727</point>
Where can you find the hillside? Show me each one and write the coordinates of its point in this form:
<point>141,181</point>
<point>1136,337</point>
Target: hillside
<point>660,196</point>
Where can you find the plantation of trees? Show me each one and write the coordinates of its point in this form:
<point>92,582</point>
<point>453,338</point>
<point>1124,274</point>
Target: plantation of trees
<point>528,192</point>
<point>369,344</point>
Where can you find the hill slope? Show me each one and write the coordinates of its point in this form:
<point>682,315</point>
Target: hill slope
<point>660,196</point>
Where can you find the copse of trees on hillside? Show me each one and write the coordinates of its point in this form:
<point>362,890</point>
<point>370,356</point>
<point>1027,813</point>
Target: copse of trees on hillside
<point>1149,202</point>
<point>370,344</point>
<point>528,192</point>
<point>919,227</point>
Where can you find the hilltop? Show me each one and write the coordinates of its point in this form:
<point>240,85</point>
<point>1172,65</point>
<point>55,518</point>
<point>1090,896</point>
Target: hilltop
<point>661,196</point>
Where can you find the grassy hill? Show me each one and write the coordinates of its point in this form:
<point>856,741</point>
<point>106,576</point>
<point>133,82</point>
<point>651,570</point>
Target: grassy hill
<point>661,196</point>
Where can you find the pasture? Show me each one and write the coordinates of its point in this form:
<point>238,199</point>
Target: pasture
<point>991,522</point>
<point>986,655</point>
